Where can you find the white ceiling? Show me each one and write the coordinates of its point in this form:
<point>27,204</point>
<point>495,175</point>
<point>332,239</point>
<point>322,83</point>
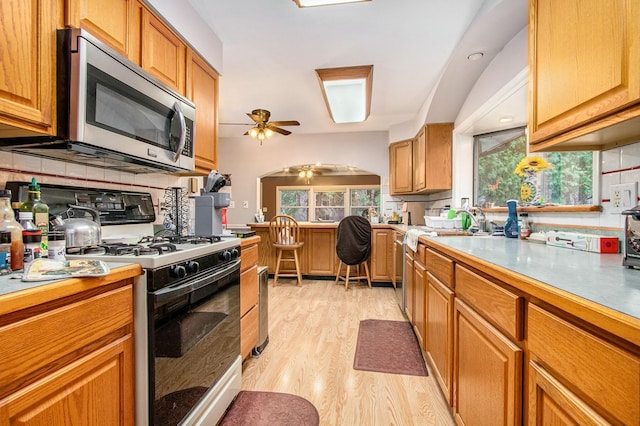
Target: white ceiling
<point>418,48</point>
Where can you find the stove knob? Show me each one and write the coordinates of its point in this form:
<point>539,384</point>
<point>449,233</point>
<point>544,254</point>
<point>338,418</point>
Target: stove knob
<point>178,271</point>
<point>193,267</point>
<point>225,255</point>
<point>234,253</point>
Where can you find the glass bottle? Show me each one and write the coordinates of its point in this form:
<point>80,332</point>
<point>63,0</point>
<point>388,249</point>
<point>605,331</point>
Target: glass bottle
<point>525,230</point>
<point>40,212</point>
<point>8,223</point>
<point>31,237</point>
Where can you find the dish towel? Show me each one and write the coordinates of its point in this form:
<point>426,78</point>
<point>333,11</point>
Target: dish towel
<point>411,237</point>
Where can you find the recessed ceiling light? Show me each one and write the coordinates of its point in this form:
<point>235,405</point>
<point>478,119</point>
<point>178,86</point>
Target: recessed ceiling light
<point>475,56</point>
<point>347,92</point>
<point>505,119</point>
<point>311,3</point>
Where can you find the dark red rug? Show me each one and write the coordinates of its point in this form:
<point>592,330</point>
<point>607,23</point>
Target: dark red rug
<point>270,409</point>
<point>388,347</point>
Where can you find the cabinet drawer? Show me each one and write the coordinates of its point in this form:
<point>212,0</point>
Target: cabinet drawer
<point>501,307</point>
<point>441,267</point>
<point>248,332</point>
<point>248,257</point>
<point>600,373</point>
<point>248,289</point>
<point>65,333</point>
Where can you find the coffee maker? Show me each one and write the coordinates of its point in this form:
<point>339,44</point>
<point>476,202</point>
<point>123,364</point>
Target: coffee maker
<point>210,206</point>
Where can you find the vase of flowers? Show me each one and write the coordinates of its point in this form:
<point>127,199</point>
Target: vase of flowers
<point>530,168</point>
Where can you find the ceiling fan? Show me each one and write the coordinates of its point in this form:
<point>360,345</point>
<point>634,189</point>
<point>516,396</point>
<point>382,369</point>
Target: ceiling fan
<point>263,128</point>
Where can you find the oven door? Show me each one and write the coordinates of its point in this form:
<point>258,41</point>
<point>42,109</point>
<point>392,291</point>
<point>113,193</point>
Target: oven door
<point>194,338</point>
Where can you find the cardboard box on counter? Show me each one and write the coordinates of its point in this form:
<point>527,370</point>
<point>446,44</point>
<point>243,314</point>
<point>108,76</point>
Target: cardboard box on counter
<point>585,242</point>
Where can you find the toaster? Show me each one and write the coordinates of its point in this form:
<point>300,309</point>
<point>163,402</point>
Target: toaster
<point>632,238</point>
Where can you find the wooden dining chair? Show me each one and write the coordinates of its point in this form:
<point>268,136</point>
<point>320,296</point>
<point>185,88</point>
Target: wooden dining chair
<point>284,234</point>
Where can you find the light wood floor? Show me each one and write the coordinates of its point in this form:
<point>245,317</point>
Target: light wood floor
<point>312,338</point>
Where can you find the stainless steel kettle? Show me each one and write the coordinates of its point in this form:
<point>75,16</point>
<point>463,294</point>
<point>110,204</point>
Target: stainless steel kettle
<point>79,232</point>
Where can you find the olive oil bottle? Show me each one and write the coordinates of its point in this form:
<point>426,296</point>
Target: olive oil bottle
<point>40,214</point>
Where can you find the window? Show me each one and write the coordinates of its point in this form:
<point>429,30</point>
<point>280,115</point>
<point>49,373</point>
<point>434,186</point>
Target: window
<point>295,202</point>
<point>569,182</point>
<point>328,203</point>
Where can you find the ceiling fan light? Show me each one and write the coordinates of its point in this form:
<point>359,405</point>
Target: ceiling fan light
<point>268,133</point>
<point>309,173</point>
<point>301,173</point>
<point>254,132</point>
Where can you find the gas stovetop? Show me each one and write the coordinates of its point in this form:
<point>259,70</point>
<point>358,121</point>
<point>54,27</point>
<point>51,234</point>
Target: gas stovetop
<point>155,252</point>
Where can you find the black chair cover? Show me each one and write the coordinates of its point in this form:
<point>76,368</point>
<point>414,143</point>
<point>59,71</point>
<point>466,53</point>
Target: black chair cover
<point>353,243</point>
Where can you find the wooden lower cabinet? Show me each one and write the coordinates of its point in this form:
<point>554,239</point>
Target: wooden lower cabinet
<point>580,370</point>
<point>419,301</point>
<point>409,287</point>
<point>382,254</point>
<point>70,362</point>
<point>487,374</point>
<point>248,296</point>
<point>321,252</point>
<point>439,332</point>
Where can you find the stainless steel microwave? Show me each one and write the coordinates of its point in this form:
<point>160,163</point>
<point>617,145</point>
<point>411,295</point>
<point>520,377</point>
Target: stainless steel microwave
<point>113,114</point>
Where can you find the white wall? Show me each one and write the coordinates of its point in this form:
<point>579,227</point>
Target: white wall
<point>246,160</point>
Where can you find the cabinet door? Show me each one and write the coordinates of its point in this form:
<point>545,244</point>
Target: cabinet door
<point>163,54</point>
<point>419,158</point>
<point>27,60</point>
<point>249,332</point>
<point>438,155</point>
<point>419,301</point>
<point>382,254</point>
<point>584,63</point>
<point>400,167</point>
<point>202,89</point>
<point>321,252</point>
<point>248,289</point>
<point>487,376</point>
<point>439,332</point>
<point>94,390</point>
<point>550,403</point>
<point>409,289</point>
<point>107,20</point>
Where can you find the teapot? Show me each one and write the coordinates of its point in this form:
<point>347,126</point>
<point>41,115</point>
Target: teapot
<point>79,232</point>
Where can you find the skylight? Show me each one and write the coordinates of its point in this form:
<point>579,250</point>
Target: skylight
<point>347,92</point>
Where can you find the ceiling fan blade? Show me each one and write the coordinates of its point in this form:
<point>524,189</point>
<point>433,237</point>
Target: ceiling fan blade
<point>285,123</point>
<point>255,117</point>
<point>246,133</point>
<point>236,124</point>
<point>278,129</point>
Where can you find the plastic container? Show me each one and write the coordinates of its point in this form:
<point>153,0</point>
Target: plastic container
<point>525,230</point>
<point>5,252</point>
<point>57,245</point>
<point>8,223</point>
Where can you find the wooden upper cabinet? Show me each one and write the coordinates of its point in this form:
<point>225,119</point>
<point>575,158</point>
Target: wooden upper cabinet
<point>438,154</point>
<point>202,89</point>
<point>419,160</point>
<point>401,167</point>
<point>584,62</point>
<point>27,60</point>
<point>162,52</point>
<point>106,19</point>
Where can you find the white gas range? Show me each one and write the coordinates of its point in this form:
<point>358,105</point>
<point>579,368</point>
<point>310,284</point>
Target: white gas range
<point>186,320</point>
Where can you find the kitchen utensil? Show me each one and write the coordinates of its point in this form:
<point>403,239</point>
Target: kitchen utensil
<point>79,232</point>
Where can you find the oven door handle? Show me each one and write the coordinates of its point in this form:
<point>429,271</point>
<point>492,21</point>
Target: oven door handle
<point>168,293</point>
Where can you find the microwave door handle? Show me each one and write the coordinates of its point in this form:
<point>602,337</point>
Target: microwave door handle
<point>183,130</point>
<point>169,293</point>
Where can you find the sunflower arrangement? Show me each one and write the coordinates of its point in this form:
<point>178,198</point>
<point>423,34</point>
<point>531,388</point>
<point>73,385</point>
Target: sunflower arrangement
<point>533,163</point>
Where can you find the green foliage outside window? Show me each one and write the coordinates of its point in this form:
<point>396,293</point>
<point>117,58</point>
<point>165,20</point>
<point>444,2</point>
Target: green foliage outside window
<point>569,182</point>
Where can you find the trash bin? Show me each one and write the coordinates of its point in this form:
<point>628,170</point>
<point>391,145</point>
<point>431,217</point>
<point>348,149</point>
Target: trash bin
<point>263,310</point>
